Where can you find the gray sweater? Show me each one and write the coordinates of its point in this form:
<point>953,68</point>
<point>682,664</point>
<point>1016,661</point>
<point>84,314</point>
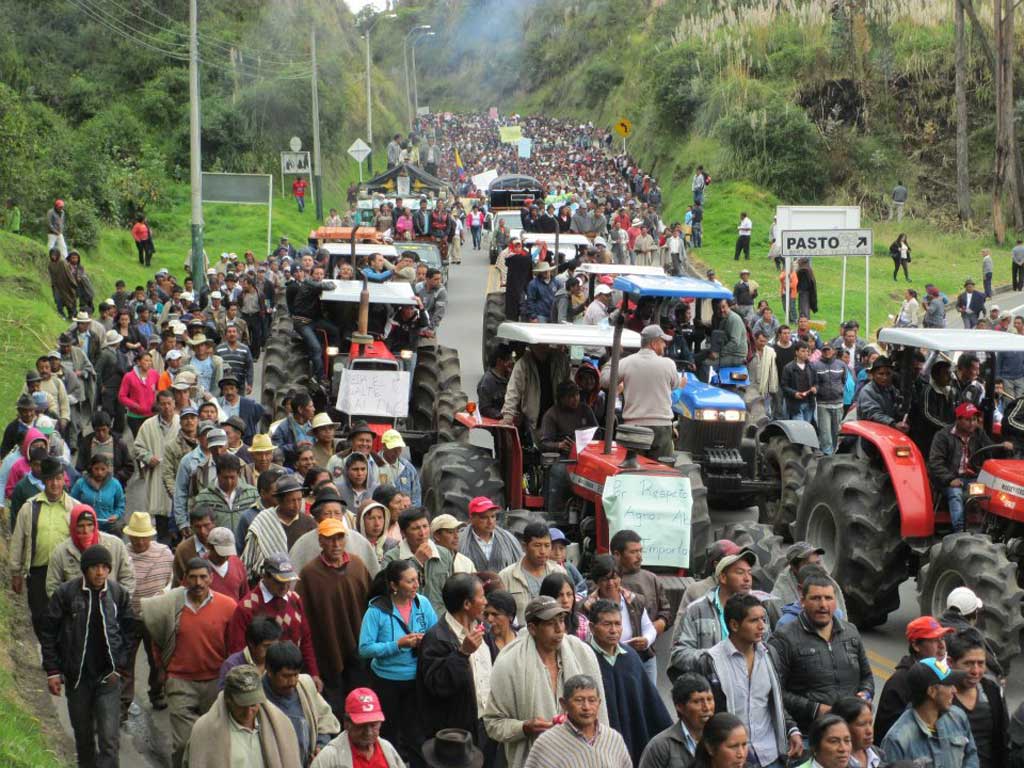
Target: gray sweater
<point>649,380</point>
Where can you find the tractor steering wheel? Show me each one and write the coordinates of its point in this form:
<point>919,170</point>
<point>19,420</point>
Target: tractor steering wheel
<point>984,449</point>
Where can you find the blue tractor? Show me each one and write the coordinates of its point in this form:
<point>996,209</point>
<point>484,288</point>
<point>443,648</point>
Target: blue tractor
<point>745,458</point>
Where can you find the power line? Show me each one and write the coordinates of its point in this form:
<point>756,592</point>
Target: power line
<point>127,34</point>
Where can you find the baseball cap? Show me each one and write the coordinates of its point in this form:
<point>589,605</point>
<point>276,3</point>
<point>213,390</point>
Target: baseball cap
<point>243,686</point>
<point>652,332</point>
<point>557,535</point>
<point>206,425</point>
<point>444,523</point>
<point>543,608</point>
<point>332,526</point>
<point>279,565</point>
<point>392,439</point>
<point>363,706</point>
<point>801,550</point>
<point>966,410</point>
<point>481,504</point>
<point>928,672</point>
<point>222,541</point>
<point>188,410</point>
<point>174,354</point>
<point>964,600</point>
<point>730,560</point>
<point>927,628</point>
<point>602,290</point>
<point>216,437</point>
<point>287,484</point>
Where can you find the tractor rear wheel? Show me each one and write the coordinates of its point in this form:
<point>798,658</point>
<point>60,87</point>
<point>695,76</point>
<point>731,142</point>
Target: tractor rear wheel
<point>494,315</point>
<point>436,392</point>
<point>974,560</point>
<point>455,473</point>
<point>700,515</point>
<point>787,465</point>
<point>766,544</point>
<point>849,509</point>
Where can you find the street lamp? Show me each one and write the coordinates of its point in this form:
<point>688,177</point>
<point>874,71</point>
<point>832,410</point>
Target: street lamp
<point>369,97</point>
<point>412,56</point>
<point>405,57</point>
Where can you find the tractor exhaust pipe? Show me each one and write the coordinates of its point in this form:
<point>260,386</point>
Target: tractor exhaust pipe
<point>361,336</point>
<point>613,383</point>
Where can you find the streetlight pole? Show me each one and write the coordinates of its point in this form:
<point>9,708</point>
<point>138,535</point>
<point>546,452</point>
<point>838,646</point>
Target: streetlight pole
<point>405,56</point>
<point>369,96</point>
<point>317,186</point>
<point>412,55</point>
<point>195,149</point>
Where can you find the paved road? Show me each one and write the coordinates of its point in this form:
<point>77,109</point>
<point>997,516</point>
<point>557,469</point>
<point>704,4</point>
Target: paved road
<point>145,739</point>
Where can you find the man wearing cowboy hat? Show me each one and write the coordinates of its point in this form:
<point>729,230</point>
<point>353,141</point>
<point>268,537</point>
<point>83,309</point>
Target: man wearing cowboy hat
<point>208,367</point>
<point>232,403</point>
<point>153,564</point>
<point>323,428</point>
<point>540,294</point>
<point>970,304</point>
<point>363,717</point>
<point>452,748</point>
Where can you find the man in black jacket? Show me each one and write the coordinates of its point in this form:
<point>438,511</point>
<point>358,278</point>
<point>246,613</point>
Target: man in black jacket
<point>490,392</point>
<point>819,658</point>
<point>797,382</point>
<point>926,639</point>
<point>455,655</point>
<point>87,632</point>
<point>949,464</point>
<point>306,314</point>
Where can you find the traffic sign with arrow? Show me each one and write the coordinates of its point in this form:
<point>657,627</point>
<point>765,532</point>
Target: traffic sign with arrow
<point>826,242</point>
<point>624,128</point>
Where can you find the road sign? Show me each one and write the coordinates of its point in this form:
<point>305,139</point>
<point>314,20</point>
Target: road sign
<point>359,150</point>
<point>826,242</point>
<point>624,128</point>
<point>295,143</point>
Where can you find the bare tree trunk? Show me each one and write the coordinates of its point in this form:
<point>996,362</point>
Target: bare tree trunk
<point>1002,145</point>
<point>1013,171</point>
<point>963,181</point>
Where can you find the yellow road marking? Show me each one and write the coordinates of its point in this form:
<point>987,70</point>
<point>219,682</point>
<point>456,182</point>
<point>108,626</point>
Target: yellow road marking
<point>880,674</point>
<point>882,661</point>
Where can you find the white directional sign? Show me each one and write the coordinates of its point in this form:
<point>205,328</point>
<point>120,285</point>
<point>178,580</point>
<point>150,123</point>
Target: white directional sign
<point>826,242</point>
<point>359,150</point>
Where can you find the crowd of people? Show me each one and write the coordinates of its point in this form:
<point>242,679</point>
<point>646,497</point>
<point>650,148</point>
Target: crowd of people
<point>297,605</point>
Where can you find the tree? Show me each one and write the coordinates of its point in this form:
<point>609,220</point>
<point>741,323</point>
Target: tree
<point>963,182</point>
<point>1004,173</point>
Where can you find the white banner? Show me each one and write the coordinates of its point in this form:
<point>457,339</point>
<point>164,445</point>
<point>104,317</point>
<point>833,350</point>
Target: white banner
<point>374,393</point>
<point>658,507</point>
<point>295,163</point>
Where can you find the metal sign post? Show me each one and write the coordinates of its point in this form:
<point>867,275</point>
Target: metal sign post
<point>810,243</point>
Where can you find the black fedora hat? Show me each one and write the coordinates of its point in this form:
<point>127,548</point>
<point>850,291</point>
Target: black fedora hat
<point>452,748</point>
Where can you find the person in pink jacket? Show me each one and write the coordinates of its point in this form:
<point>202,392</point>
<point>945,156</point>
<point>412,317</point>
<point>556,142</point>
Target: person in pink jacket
<point>138,391</point>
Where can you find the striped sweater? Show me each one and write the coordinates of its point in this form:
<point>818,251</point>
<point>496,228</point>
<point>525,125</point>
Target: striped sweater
<point>563,746</point>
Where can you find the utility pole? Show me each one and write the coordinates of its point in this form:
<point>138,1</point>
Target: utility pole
<point>415,88</point>
<point>195,149</point>
<point>317,186</point>
<point>408,96</point>
<point>369,107</point>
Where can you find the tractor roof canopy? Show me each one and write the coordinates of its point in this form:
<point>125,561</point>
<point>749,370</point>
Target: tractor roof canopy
<point>380,293</point>
<point>362,249</point>
<point>953,339</point>
<point>565,334</point>
<point>618,269</point>
<point>549,238</point>
<point>674,287</point>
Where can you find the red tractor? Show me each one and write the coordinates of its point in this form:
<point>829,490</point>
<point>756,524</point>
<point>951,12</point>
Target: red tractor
<point>872,507</point>
<point>453,473</point>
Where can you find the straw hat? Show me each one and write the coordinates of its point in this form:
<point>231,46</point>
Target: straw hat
<point>140,525</point>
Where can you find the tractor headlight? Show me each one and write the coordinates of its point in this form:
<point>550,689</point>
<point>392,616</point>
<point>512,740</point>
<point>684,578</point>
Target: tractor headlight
<point>710,414</point>
<point>406,354</point>
<point>332,351</point>
<point>975,489</point>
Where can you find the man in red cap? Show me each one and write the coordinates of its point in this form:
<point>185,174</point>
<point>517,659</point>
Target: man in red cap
<point>360,744</point>
<point>489,547</point>
<point>949,462</point>
<point>926,639</point>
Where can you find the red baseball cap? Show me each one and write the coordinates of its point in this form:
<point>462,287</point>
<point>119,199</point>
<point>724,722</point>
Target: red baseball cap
<point>481,504</point>
<point>926,627</point>
<point>363,706</point>
<point>966,410</point>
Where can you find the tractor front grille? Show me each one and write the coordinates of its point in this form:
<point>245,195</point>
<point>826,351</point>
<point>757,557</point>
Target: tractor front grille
<point>695,436</point>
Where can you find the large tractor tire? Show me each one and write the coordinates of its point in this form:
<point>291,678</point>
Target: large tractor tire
<point>788,465</point>
<point>849,509</point>
<point>700,515</point>
<point>455,473</point>
<point>766,544</point>
<point>437,372</point>
<point>494,315</point>
<point>974,560</point>
<point>450,403</point>
<point>516,520</point>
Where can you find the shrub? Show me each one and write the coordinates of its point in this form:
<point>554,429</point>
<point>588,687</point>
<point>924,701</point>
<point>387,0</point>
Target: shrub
<point>675,86</point>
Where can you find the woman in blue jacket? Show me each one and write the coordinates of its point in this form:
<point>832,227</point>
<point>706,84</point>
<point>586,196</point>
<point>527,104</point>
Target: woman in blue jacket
<point>391,632</point>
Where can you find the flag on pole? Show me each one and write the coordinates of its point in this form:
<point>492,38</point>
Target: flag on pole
<point>458,164</point>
